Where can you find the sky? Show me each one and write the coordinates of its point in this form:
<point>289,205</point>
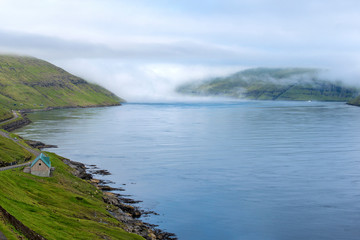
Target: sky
<point>141,49</point>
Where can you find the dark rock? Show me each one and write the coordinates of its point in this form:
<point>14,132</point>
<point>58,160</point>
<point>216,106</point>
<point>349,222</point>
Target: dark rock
<point>39,145</point>
<point>79,169</point>
<point>11,126</point>
<point>148,213</point>
<point>108,188</point>
<point>125,213</point>
<point>112,199</point>
<point>106,182</point>
<point>101,172</point>
<point>129,200</point>
<point>6,164</point>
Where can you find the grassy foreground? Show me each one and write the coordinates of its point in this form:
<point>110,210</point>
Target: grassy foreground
<point>59,207</point>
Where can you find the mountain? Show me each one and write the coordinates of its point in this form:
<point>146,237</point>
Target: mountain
<point>273,84</point>
<point>355,101</point>
<point>31,83</point>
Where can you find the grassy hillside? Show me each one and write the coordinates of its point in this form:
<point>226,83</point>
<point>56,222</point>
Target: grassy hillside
<point>355,101</point>
<point>273,84</point>
<point>30,83</point>
<point>5,113</point>
<point>12,152</point>
<point>59,207</point>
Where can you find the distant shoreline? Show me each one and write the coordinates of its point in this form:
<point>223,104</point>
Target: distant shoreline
<point>23,121</point>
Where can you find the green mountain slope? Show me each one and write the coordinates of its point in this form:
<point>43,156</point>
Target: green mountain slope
<point>30,83</point>
<point>11,152</point>
<point>355,101</point>
<point>59,207</point>
<point>273,84</point>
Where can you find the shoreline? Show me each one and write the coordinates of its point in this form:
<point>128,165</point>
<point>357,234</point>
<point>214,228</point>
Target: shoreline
<point>23,121</point>
<point>125,212</point>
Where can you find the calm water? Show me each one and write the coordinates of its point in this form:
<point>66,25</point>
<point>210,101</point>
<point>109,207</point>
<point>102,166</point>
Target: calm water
<point>232,170</point>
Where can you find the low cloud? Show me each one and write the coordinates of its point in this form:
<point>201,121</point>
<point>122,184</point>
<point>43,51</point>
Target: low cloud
<point>133,45</point>
<point>169,50</point>
<point>138,82</point>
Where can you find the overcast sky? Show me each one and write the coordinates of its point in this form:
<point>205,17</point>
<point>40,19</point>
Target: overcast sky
<point>141,49</point>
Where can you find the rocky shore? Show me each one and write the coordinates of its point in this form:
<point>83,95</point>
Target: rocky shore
<point>18,123</point>
<point>39,145</point>
<point>119,206</point>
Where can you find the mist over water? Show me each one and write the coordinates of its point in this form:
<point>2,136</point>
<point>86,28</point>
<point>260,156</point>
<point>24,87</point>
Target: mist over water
<point>144,81</point>
<point>157,82</point>
<point>227,170</point>
<point>141,50</point>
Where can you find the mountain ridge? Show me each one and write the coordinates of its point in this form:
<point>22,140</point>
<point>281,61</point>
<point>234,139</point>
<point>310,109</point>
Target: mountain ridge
<point>301,84</point>
<point>31,83</point>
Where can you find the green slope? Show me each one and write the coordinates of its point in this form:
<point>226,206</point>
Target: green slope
<point>30,83</point>
<point>355,101</point>
<point>11,152</point>
<point>273,84</point>
<point>59,207</point>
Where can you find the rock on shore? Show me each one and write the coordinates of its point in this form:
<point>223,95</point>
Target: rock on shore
<point>123,212</point>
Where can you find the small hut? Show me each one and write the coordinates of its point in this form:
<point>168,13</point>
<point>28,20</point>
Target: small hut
<point>41,166</point>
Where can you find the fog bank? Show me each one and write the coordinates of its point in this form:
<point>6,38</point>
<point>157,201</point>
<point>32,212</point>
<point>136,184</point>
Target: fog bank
<point>143,82</point>
<point>142,49</point>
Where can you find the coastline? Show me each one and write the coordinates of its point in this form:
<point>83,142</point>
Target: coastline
<point>120,207</point>
<point>23,121</point>
<point>125,212</point>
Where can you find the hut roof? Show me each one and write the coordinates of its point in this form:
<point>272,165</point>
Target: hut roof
<point>43,158</point>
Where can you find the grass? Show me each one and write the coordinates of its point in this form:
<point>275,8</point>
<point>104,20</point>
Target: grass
<point>20,117</point>
<point>355,101</point>
<point>12,152</point>
<point>59,207</point>
<point>63,206</point>
<point>9,231</point>
<point>30,83</point>
<point>5,113</point>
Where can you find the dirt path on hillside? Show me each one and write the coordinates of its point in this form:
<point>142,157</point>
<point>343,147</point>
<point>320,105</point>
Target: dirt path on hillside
<point>15,116</point>
<point>33,151</point>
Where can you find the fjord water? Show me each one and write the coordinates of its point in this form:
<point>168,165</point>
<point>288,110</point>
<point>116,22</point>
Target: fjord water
<point>228,170</point>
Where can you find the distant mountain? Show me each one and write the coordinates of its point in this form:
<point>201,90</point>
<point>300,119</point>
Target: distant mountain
<point>30,83</point>
<point>273,84</point>
<point>355,101</point>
